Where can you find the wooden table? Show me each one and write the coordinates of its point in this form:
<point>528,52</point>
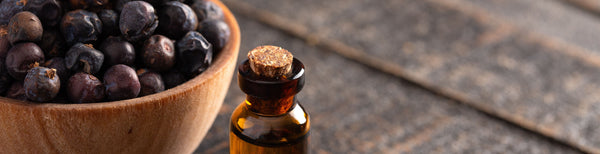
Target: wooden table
<point>435,76</point>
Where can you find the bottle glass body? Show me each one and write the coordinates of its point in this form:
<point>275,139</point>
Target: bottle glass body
<point>251,132</point>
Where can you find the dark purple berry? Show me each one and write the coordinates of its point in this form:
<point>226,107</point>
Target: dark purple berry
<point>207,10</point>
<point>84,58</point>
<point>216,32</point>
<point>194,53</point>
<point>150,82</point>
<point>158,53</point>
<point>22,57</point>
<point>173,78</point>
<point>81,26</point>
<point>58,63</point>
<point>117,51</point>
<point>25,26</point>
<point>41,84</point>
<point>5,79</point>
<point>119,5</point>
<point>49,11</point>
<point>121,82</point>
<point>137,21</point>
<point>176,19</point>
<point>88,4</point>
<point>159,3</point>
<point>16,91</point>
<point>8,8</point>
<point>85,88</point>
<point>4,43</point>
<point>66,7</point>
<point>53,44</point>
<point>110,22</point>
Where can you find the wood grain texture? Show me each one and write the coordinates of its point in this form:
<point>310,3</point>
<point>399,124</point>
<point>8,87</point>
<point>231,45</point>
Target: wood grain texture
<point>173,121</point>
<point>460,51</point>
<point>357,109</point>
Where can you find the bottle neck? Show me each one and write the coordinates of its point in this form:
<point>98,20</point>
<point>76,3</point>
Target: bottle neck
<point>270,107</point>
<point>270,96</point>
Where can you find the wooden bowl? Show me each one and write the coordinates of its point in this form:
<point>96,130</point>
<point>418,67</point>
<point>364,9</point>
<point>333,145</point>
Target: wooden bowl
<point>173,121</point>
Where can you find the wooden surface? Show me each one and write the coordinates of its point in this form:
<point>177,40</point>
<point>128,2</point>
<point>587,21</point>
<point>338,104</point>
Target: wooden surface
<point>173,121</point>
<point>435,76</point>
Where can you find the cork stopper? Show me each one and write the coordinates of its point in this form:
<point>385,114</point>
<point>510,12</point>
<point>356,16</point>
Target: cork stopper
<point>270,61</point>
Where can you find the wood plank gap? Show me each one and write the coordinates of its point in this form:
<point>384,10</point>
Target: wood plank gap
<point>547,42</point>
<point>589,6</point>
<point>557,45</point>
<point>420,137</point>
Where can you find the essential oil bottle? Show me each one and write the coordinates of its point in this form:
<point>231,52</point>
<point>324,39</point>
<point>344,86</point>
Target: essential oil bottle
<point>270,120</point>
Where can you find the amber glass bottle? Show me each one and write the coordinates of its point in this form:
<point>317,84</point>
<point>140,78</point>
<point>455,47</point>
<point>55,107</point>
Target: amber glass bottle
<point>270,120</point>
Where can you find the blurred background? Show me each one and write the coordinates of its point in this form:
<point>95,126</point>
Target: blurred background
<point>434,76</point>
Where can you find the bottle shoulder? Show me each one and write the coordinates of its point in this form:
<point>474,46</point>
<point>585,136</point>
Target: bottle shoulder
<point>292,125</point>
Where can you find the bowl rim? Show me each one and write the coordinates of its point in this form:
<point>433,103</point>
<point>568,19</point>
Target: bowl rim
<point>228,54</point>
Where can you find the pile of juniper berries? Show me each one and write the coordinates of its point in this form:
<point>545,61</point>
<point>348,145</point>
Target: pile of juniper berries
<point>85,51</point>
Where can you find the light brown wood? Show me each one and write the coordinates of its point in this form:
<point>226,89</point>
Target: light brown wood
<point>173,121</point>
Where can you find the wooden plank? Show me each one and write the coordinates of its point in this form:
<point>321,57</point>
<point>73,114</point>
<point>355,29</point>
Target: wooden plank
<point>464,53</point>
<point>356,109</point>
